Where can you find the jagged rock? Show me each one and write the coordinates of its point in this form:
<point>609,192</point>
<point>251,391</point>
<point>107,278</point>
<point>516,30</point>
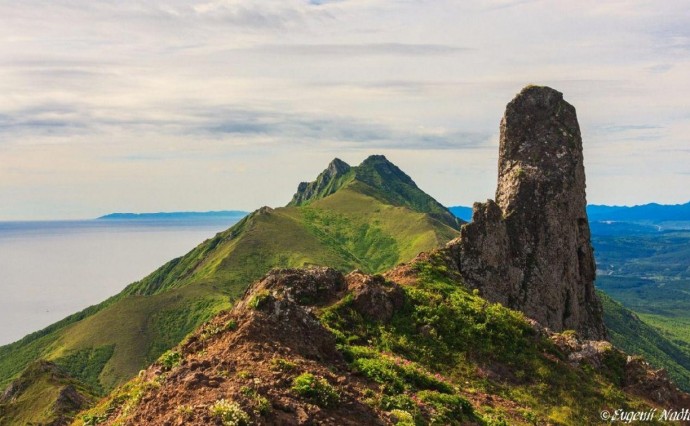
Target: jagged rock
<point>69,400</point>
<point>281,304</point>
<point>579,351</point>
<point>302,286</point>
<point>374,297</point>
<point>640,378</point>
<point>322,186</point>
<point>530,250</point>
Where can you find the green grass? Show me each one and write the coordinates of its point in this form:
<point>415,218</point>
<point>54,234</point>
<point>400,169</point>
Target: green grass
<point>87,364</point>
<point>316,389</point>
<point>445,339</point>
<point>649,274</point>
<point>108,344</point>
<point>35,403</point>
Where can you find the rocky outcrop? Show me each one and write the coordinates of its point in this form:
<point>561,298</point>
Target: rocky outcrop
<point>324,184</point>
<point>530,249</point>
<point>17,406</point>
<point>642,379</point>
<point>252,354</point>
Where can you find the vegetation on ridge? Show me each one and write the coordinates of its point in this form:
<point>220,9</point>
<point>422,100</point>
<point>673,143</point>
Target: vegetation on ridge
<point>107,344</point>
<point>446,357</point>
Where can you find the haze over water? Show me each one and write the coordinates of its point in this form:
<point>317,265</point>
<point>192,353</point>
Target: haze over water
<point>49,270</point>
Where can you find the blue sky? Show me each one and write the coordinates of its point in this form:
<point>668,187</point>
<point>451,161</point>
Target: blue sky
<point>228,104</point>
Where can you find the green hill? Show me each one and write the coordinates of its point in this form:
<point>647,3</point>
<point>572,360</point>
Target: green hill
<point>412,347</point>
<point>44,393</point>
<point>633,335</point>
<point>372,220</point>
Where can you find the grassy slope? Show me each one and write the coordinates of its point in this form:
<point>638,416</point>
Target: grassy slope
<point>35,404</point>
<point>445,348</point>
<point>486,350</point>
<point>635,336</point>
<point>346,230</point>
<point>649,274</point>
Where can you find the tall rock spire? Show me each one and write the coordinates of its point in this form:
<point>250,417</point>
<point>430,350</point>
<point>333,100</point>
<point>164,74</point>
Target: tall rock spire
<point>531,249</point>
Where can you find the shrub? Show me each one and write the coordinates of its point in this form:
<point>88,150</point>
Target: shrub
<point>185,410</point>
<point>397,402</point>
<point>282,364</point>
<point>170,359</point>
<point>381,371</point>
<point>94,419</point>
<point>230,413</point>
<point>258,299</point>
<point>402,418</point>
<point>446,408</point>
<point>315,388</point>
<point>260,403</point>
<point>396,376</point>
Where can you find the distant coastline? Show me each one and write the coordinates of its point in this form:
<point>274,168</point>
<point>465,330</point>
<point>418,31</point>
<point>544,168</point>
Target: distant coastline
<point>235,214</point>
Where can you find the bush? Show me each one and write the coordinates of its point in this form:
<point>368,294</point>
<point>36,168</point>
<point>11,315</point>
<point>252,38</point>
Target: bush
<point>260,404</point>
<point>402,418</point>
<point>185,410</point>
<point>94,419</point>
<point>282,364</point>
<point>258,299</point>
<point>170,359</point>
<point>395,377</point>
<point>381,371</point>
<point>230,413</point>
<point>446,408</point>
<point>315,388</point>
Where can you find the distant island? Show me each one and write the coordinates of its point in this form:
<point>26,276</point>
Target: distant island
<point>235,214</point>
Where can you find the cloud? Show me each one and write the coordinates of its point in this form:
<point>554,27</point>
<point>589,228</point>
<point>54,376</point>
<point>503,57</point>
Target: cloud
<point>54,119</point>
<point>364,49</point>
<point>167,89</point>
<point>616,128</point>
<point>321,129</point>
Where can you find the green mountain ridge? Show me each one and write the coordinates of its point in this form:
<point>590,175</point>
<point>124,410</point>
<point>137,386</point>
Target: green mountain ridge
<point>414,346</point>
<point>636,336</point>
<point>378,178</point>
<point>365,223</point>
<point>369,217</point>
<point>44,393</point>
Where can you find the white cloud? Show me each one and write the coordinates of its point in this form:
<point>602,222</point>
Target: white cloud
<point>106,103</point>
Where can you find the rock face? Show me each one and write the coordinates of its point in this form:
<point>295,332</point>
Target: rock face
<point>323,185</point>
<point>254,352</point>
<point>530,250</point>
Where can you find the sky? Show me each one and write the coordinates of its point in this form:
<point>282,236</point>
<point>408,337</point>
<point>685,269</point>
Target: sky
<point>172,105</point>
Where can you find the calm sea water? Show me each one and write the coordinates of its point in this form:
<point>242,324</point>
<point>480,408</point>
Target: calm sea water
<point>49,270</point>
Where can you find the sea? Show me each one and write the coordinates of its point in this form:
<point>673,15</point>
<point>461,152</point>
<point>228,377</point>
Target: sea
<point>51,269</point>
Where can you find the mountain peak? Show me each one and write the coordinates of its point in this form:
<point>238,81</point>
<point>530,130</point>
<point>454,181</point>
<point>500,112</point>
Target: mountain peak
<point>376,159</point>
<point>376,177</point>
<point>338,166</point>
<point>380,165</point>
<point>328,181</point>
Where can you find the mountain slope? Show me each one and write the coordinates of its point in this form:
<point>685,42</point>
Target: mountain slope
<point>631,334</point>
<point>43,394</point>
<point>650,213</point>
<point>355,227</point>
<point>416,347</point>
<point>378,178</point>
